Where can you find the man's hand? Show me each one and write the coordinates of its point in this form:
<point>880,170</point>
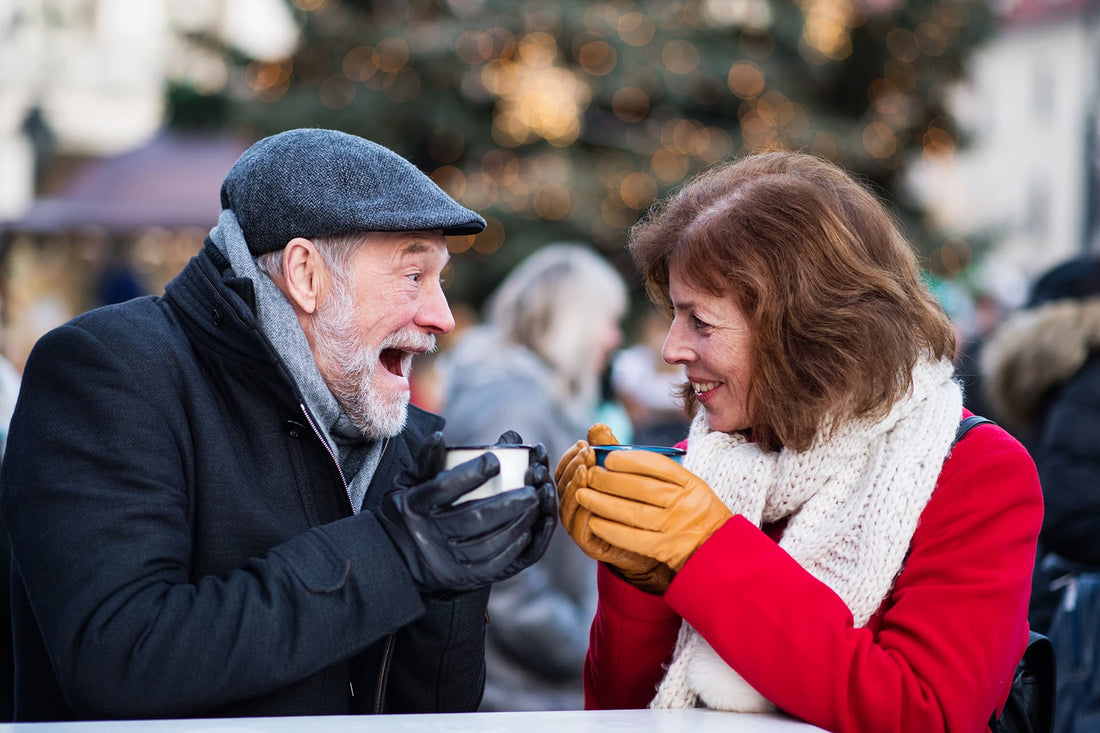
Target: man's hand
<point>646,503</point>
<point>538,477</point>
<point>454,548</point>
<point>572,474</point>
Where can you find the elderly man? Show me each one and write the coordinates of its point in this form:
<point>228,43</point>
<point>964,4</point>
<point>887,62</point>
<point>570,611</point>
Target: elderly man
<point>220,502</point>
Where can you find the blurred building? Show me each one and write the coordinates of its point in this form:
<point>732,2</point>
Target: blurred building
<point>1028,179</point>
<point>96,204</point>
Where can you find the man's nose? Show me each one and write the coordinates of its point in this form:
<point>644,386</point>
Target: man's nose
<point>435,314</point>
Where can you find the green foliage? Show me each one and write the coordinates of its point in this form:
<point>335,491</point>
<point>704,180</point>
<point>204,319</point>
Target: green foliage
<point>566,120</point>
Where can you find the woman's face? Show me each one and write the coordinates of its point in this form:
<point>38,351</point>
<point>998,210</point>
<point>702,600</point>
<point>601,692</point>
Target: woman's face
<point>710,338</point>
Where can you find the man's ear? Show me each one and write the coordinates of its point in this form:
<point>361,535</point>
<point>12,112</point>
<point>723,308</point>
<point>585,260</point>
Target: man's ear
<point>304,274</point>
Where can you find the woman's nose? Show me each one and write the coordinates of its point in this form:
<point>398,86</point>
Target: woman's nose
<point>675,349</point>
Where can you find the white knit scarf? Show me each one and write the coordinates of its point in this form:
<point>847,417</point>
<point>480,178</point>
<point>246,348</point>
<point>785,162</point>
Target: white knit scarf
<point>853,501</point>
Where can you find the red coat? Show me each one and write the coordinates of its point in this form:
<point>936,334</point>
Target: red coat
<point>938,656</point>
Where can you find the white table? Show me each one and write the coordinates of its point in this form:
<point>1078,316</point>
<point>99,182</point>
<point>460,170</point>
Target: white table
<point>573,721</point>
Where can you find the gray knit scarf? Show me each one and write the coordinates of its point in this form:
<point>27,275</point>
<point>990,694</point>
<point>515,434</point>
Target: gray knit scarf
<point>358,456</point>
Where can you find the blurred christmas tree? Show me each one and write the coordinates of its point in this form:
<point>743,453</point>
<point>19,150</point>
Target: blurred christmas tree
<point>566,120</point>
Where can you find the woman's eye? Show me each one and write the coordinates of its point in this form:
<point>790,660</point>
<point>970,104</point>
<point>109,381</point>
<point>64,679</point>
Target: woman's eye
<point>698,324</point>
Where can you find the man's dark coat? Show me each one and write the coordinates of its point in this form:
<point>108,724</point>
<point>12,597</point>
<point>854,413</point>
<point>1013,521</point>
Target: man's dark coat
<point>183,541</point>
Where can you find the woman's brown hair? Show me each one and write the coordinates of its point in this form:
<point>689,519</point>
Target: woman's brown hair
<point>830,287</point>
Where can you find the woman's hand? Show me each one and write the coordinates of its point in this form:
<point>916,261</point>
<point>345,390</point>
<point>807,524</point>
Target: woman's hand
<point>575,459</point>
<point>648,504</point>
<point>571,476</point>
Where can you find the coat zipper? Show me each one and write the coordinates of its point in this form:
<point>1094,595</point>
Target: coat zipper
<point>384,668</point>
<point>383,671</point>
<point>328,448</point>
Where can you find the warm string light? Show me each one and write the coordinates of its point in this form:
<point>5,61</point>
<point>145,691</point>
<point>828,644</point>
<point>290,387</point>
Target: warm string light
<point>650,72</point>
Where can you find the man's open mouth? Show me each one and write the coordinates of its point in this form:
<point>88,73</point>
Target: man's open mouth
<point>396,361</point>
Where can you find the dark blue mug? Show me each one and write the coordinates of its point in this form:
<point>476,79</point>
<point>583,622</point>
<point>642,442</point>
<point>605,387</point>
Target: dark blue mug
<point>676,454</point>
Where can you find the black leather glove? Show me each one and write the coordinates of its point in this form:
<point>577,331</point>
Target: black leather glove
<point>538,476</point>
<point>449,547</point>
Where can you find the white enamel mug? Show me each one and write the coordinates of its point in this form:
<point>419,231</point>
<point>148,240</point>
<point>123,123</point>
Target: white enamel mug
<point>514,460</point>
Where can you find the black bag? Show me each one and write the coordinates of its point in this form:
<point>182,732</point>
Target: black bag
<point>1030,704</point>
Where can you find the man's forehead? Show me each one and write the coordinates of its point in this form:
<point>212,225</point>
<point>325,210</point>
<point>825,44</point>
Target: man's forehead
<point>399,245</point>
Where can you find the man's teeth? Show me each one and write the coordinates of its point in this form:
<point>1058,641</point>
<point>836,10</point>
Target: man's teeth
<point>701,387</point>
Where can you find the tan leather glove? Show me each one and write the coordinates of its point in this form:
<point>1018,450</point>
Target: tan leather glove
<point>571,475</point>
<point>646,503</point>
<point>578,455</point>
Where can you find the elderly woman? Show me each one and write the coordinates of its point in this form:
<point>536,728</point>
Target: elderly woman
<point>823,549</point>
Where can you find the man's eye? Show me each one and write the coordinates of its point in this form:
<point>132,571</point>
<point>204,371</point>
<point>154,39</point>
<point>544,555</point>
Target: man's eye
<point>698,324</point>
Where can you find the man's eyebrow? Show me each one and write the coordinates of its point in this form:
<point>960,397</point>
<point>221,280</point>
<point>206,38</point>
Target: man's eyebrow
<point>418,246</point>
<point>415,247</point>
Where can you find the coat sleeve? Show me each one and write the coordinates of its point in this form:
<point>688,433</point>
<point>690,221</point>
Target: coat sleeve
<point>941,654</point>
<point>94,496</point>
<point>631,640</point>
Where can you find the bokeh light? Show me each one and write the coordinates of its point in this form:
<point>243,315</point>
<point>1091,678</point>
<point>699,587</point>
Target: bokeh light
<point>269,79</point>
<point>552,201</point>
<point>597,58</point>
<point>937,142</point>
<point>826,33</point>
<point>491,239</point>
<point>358,64</point>
<point>680,57</point>
<point>745,79</point>
<point>536,97</point>
<point>630,104</point>
<point>879,140</point>
<point>391,54</point>
<point>669,166</point>
<point>902,44</point>
<point>636,29</point>
<point>451,179</point>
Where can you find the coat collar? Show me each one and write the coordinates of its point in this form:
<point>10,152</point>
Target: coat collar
<point>1036,351</point>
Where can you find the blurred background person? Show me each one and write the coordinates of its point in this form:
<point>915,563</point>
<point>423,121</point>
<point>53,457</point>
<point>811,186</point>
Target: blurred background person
<point>986,315</point>
<point>535,366</point>
<point>1043,372</point>
<point>647,386</point>
<point>9,391</point>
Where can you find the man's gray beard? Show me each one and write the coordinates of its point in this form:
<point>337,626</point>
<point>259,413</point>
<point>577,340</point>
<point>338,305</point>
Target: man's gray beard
<point>353,363</point>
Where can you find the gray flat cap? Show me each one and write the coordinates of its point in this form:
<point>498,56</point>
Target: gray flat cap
<point>312,182</point>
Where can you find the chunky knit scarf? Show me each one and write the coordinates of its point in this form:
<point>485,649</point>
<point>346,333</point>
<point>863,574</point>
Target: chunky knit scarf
<point>852,501</point>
